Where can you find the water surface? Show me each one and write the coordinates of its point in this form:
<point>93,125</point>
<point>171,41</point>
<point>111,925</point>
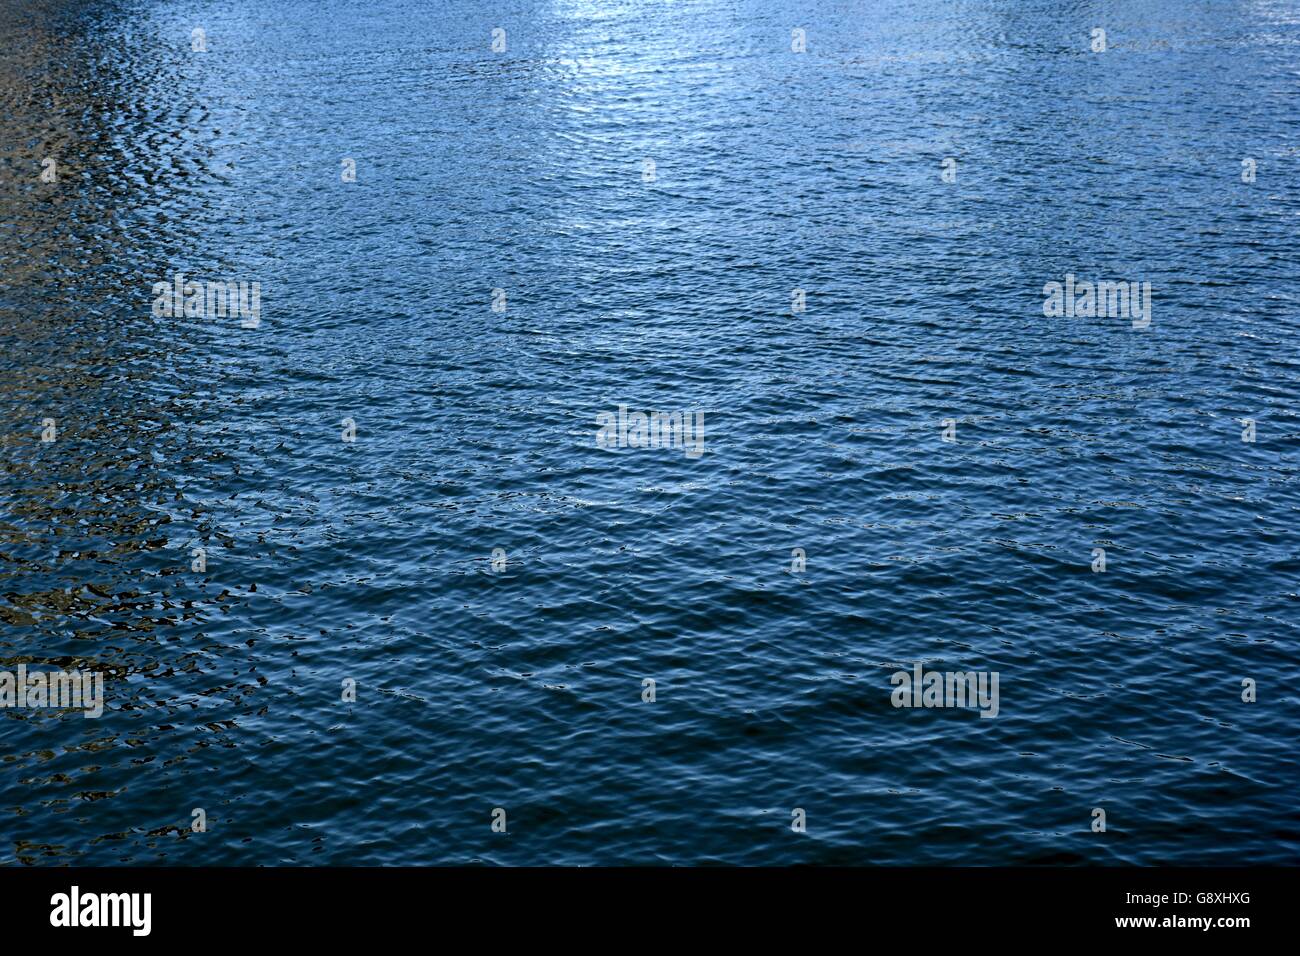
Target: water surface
<point>521,689</point>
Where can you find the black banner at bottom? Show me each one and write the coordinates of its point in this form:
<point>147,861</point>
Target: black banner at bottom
<point>341,906</point>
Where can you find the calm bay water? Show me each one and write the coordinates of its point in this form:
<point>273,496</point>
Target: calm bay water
<point>524,171</point>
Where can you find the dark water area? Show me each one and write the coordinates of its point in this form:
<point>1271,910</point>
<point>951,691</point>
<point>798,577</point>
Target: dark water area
<point>665,288</point>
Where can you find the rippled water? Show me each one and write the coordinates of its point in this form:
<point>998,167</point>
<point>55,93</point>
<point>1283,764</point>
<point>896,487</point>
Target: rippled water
<point>524,171</point>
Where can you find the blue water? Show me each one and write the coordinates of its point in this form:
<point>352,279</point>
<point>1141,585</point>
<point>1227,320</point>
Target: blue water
<point>521,688</point>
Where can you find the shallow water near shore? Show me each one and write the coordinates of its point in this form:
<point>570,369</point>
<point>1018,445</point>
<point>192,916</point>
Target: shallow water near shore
<point>520,686</point>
